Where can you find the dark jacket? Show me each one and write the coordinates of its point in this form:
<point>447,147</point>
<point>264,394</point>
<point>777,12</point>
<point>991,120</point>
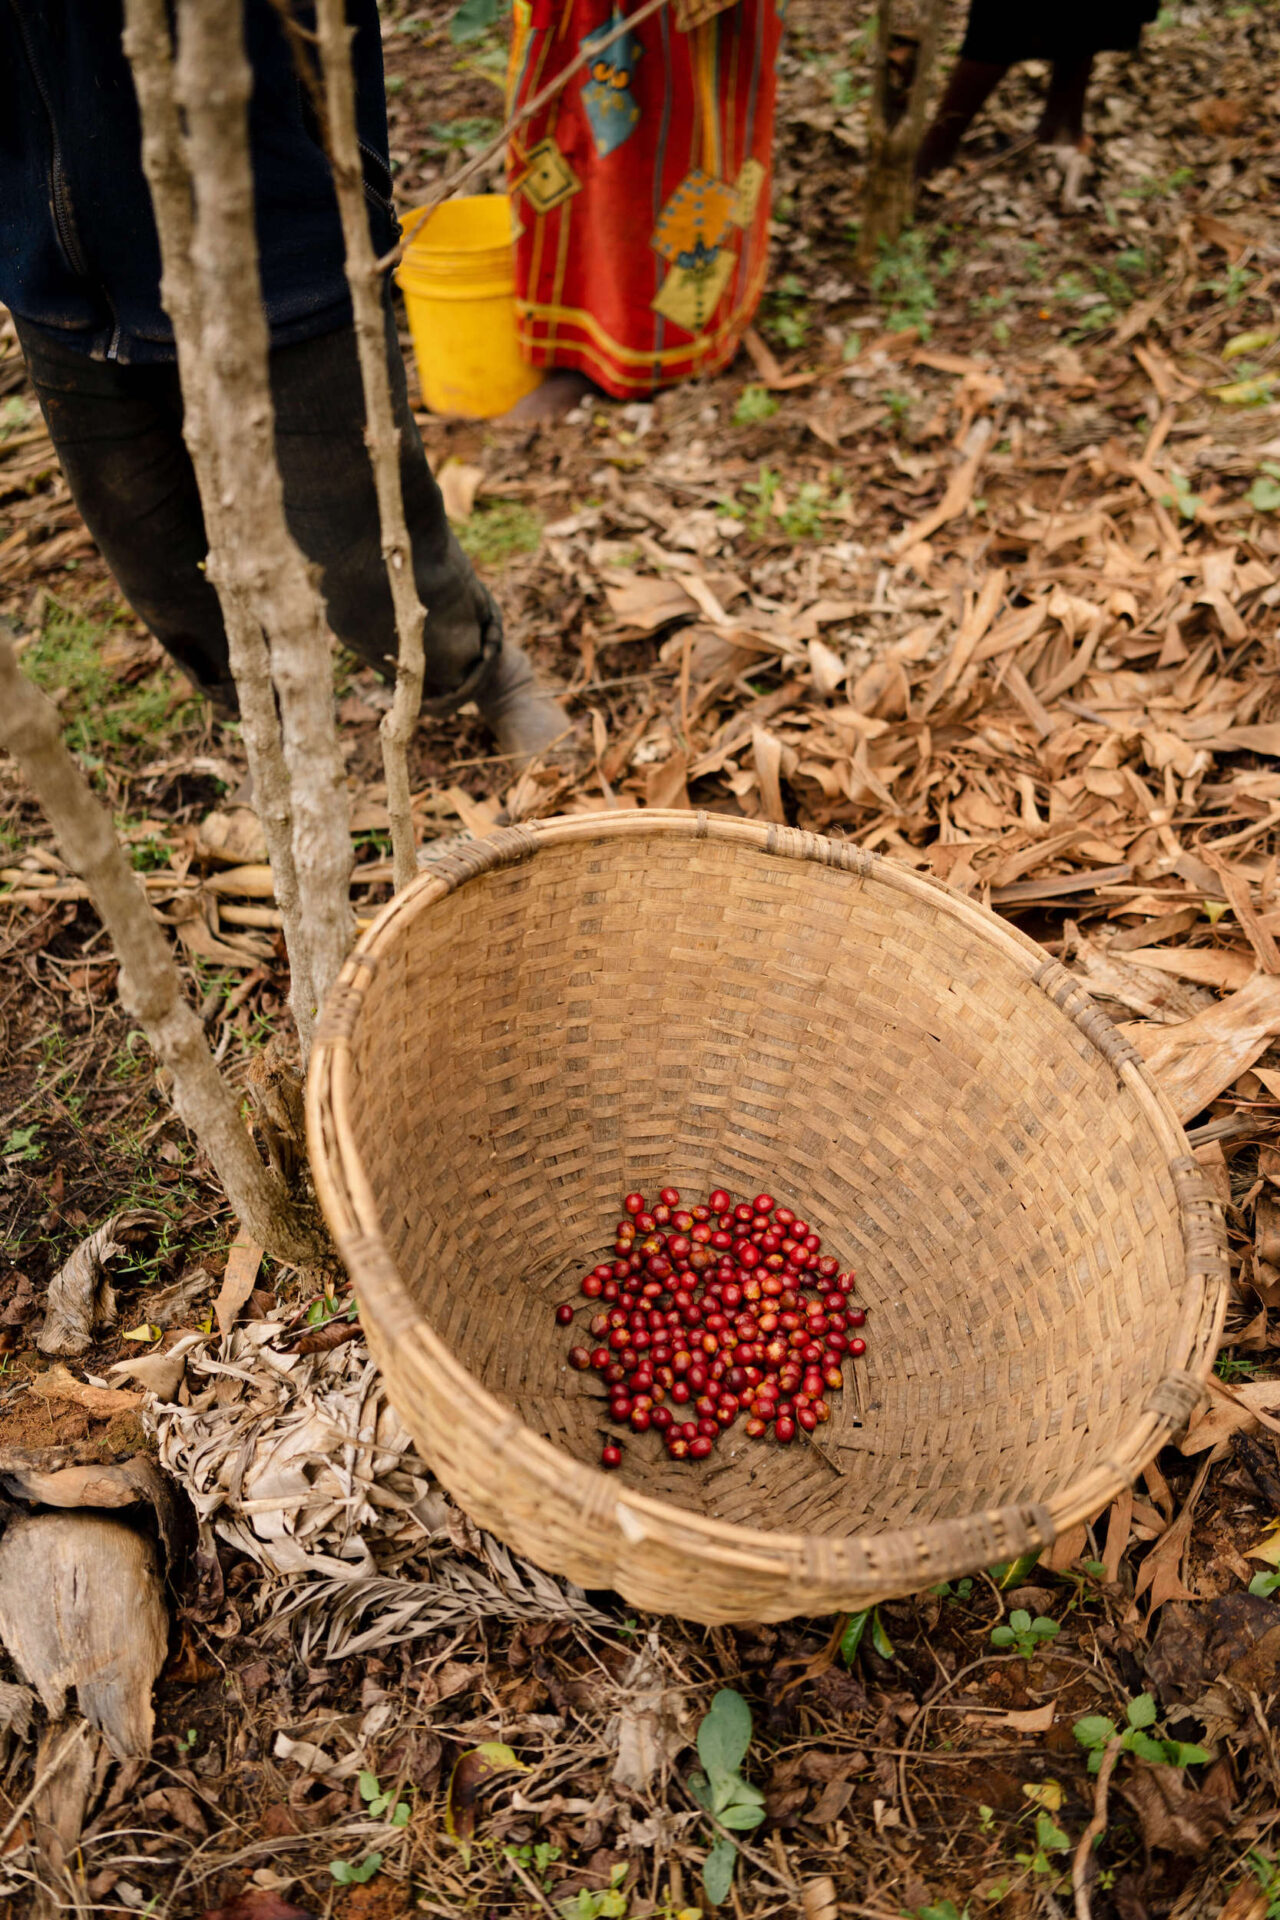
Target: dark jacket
<point>78,249</point>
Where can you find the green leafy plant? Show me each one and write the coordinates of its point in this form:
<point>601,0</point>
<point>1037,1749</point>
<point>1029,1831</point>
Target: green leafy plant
<point>1228,1366</point>
<point>1267,1874</point>
<point>854,1634</point>
<point>1182,498</point>
<point>608,1903</point>
<point>189,1740</point>
<point>788,320</point>
<point>1265,1584</point>
<point>535,1858</point>
<point>1096,1731</point>
<point>1049,1839</point>
<point>492,534</point>
<point>381,1804</point>
<point>721,1790</point>
<point>348,1874</point>
<point>474,130</point>
<point>954,1593</point>
<point>23,1143</point>
<point>475,18</point>
<point>1264,494</point>
<point>942,1910</point>
<point>1023,1633</point>
<point>904,279</point>
<point>755,404</point>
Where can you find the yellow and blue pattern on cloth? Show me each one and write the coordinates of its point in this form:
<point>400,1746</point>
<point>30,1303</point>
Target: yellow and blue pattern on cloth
<point>610,108</point>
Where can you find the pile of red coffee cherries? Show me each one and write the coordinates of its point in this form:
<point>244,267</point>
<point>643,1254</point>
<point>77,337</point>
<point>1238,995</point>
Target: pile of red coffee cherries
<point>711,1311</point>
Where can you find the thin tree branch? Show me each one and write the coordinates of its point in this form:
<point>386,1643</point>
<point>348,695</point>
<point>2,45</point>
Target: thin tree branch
<point>364,275</point>
<point>150,986</point>
<point>257,561</point>
<point>149,49</point>
<point>1098,1824</point>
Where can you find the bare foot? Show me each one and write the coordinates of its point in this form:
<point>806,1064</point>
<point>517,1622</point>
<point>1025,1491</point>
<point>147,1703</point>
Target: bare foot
<point>559,394</point>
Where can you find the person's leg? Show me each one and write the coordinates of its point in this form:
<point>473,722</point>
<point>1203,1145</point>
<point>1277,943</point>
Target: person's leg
<point>971,84</point>
<point>1062,122</point>
<point>332,509</point>
<point>117,432</point>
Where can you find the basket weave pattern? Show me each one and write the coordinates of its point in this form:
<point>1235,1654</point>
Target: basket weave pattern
<point>623,1000</point>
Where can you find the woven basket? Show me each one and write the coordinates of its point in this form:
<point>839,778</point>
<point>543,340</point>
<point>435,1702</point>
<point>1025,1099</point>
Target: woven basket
<point>572,1009</point>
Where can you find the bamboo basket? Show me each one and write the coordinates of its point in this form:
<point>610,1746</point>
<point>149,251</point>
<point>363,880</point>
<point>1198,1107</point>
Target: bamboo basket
<point>571,1009</point>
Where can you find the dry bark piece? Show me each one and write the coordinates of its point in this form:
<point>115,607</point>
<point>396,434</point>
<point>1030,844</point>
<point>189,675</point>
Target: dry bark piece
<point>1195,1061</point>
<point>52,1477</point>
<point>82,1303</point>
<point>81,1607</point>
<point>101,1403</point>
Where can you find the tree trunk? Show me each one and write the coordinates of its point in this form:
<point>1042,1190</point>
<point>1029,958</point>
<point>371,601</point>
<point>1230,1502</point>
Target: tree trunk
<point>149,48</point>
<point>254,562</point>
<point>895,133</point>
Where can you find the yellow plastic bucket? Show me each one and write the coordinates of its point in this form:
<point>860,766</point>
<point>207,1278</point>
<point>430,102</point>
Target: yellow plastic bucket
<point>457,275</point>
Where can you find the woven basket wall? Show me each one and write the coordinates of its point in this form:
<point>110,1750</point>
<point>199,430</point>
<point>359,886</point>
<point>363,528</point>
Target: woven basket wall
<point>587,1005</point>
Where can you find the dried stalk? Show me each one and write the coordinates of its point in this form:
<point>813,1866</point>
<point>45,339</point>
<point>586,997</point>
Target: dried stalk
<point>889,189</point>
<point>150,987</point>
<point>148,46</point>
<point>256,559</point>
<point>382,436</point>
<point>1098,1824</point>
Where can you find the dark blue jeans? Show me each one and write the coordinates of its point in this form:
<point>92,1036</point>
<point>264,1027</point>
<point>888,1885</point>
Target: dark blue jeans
<point>118,434</point>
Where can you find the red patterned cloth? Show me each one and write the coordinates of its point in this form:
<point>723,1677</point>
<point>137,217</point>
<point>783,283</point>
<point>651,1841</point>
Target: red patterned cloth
<point>640,194</point>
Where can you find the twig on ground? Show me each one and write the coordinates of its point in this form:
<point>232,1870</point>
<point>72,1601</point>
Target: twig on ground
<point>1096,1826</point>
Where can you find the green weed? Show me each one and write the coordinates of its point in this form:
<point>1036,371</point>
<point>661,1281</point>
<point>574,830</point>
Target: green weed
<point>382,1805</point>
<point>852,1638</point>
<point>1267,1874</point>
<point>788,319</point>
<point>1228,1367</point>
<point>99,714</point>
<point>1023,1633</point>
<point>347,1874</point>
<point>1264,494</point>
<point>723,1738</point>
<point>456,136</point>
<point>493,533</point>
<point>607,1903</point>
<point>904,279</point>
<point>1097,1730</point>
<point>755,404</point>
<point>535,1859</point>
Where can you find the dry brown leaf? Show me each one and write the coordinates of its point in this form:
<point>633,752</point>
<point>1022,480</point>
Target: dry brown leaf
<point>238,1279</point>
<point>647,604</point>
<point>819,1899</point>
<point>1160,1572</point>
<point>766,365</point>
<point>58,1383</point>
<point>955,499</point>
<point>827,668</point>
<point>766,751</point>
<point>81,1302</point>
<point>1208,966</point>
<point>1195,1061</point>
<point>233,837</point>
<point>1175,1816</point>
<point>665,785</point>
<point>459,483</point>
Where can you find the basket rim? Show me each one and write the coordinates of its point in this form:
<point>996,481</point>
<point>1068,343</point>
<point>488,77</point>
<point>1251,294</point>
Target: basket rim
<point>350,1209</point>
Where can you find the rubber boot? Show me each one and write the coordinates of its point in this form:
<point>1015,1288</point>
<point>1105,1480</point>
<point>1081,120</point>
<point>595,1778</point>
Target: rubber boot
<point>524,717</point>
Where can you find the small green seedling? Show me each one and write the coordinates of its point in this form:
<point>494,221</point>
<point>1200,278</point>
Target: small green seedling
<point>608,1903</point>
<point>348,1874</point>
<point>956,1594</point>
<point>1182,498</point>
<point>852,1638</point>
<point>1096,1731</point>
<point>1267,1874</point>
<point>1049,1839</point>
<point>188,1741</point>
<point>1265,1584</point>
<point>23,1143</point>
<point>1264,494</point>
<point>755,404</point>
<point>732,1801</point>
<point>942,1910</point>
<point>1023,1633</point>
<point>535,1859</point>
<point>383,1806</point>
